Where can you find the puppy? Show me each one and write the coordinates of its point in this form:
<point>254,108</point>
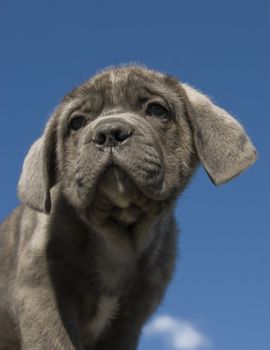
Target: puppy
<point>86,258</point>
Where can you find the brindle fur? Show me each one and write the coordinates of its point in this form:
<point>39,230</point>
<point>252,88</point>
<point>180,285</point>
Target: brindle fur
<point>86,258</point>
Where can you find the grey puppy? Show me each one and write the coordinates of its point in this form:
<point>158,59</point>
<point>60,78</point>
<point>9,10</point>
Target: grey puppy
<point>85,260</point>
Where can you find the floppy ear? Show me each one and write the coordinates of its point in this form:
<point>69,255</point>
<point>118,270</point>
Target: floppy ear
<point>222,145</point>
<point>38,172</point>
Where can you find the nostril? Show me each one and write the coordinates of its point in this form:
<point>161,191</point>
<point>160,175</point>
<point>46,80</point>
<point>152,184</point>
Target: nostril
<point>100,138</point>
<point>121,135</point>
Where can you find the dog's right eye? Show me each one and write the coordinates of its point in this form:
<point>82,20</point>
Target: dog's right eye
<point>77,123</point>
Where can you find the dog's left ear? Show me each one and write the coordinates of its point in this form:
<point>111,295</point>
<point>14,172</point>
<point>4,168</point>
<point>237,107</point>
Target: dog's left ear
<point>222,145</point>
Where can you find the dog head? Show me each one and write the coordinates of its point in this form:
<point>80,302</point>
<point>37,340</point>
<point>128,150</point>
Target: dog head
<point>127,141</point>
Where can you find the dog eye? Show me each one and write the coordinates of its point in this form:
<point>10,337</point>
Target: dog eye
<point>157,110</point>
<point>77,123</point>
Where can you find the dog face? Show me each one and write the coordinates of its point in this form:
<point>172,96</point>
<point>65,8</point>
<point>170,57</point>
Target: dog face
<point>127,141</point>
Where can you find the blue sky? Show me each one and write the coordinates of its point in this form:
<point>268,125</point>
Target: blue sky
<point>221,287</point>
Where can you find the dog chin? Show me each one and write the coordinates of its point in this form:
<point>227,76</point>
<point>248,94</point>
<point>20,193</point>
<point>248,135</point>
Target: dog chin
<point>117,187</point>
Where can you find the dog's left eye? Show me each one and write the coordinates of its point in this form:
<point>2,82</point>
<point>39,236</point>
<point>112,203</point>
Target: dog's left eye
<point>157,110</point>
<point>77,123</point>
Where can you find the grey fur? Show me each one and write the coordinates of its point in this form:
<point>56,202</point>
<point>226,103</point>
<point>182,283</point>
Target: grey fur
<point>85,260</point>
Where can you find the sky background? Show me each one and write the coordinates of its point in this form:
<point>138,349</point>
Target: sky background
<point>219,297</point>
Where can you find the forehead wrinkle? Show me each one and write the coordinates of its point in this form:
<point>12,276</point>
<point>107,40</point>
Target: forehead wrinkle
<point>112,85</point>
<point>113,79</point>
<point>82,106</point>
<point>86,107</point>
<point>157,89</point>
<point>118,80</point>
<point>71,106</point>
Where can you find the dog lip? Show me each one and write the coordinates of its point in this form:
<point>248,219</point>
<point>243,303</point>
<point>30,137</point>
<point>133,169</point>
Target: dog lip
<point>154,175</point>
<point>155,183</point>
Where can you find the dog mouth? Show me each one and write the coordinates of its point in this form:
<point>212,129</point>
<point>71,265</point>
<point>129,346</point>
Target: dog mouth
<point>122,186</point>
<point>118,198</point>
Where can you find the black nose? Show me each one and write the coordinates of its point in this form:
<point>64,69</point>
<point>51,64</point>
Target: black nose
<point>111,134</point>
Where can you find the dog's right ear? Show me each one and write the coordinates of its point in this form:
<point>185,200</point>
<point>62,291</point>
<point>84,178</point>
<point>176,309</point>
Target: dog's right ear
<point>38,172</point>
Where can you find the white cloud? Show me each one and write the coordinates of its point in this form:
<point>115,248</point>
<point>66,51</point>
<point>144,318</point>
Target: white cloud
<point>180,334</point>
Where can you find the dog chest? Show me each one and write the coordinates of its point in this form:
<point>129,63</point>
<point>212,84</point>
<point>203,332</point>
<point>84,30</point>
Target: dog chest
<point>106,311</point>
